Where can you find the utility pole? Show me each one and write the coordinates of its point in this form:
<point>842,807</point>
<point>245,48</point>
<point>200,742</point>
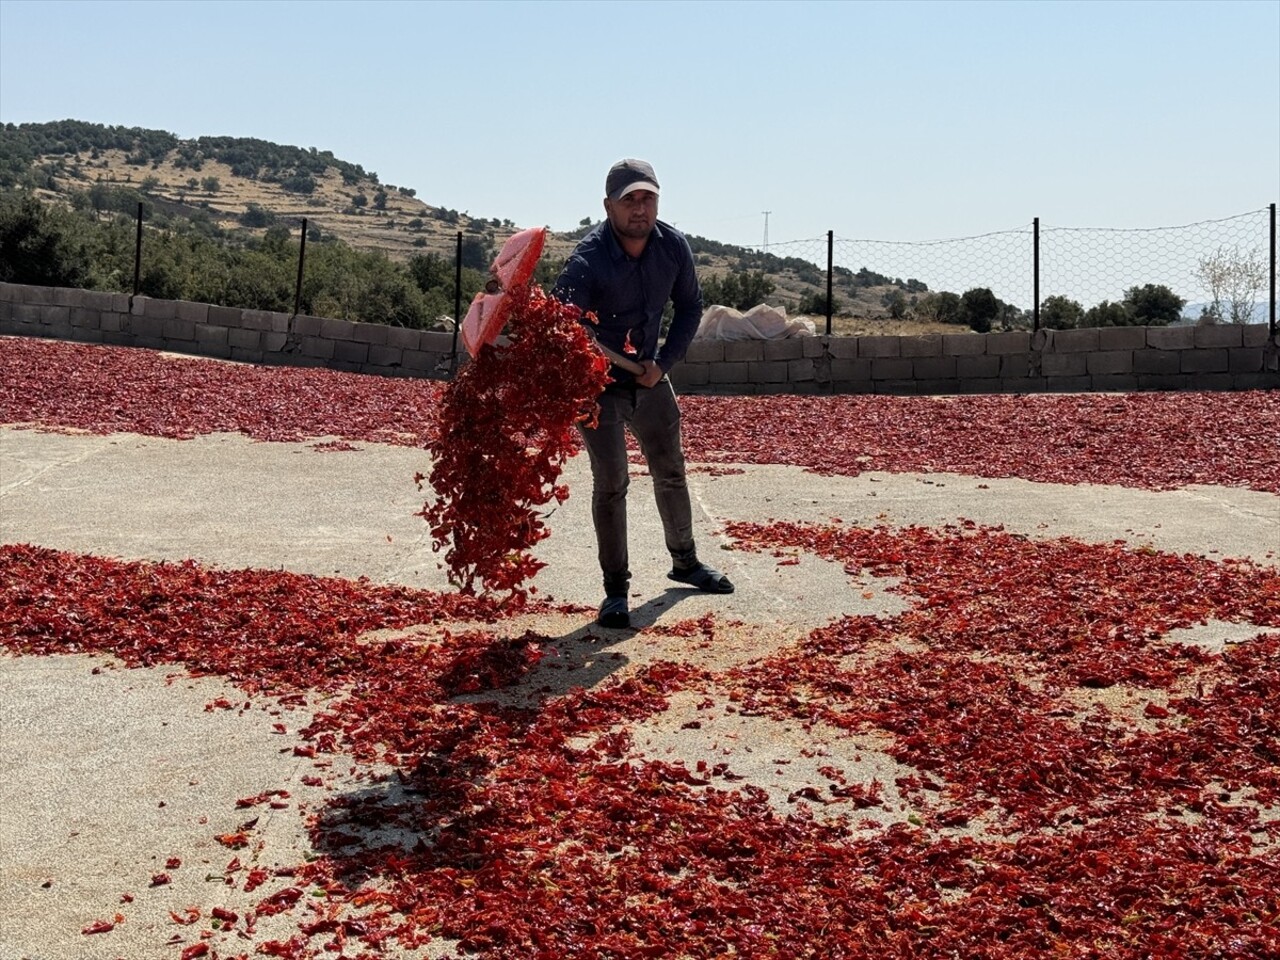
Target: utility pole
<point>766,230</point>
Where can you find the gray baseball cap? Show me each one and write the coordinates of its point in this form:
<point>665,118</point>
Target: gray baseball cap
<point>627,175</point>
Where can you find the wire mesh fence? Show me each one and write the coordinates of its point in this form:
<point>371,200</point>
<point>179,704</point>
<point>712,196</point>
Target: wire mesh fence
<point>1224,267</point>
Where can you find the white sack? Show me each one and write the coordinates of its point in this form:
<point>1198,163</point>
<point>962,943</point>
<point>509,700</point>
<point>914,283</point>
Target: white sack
<point>759,323</point>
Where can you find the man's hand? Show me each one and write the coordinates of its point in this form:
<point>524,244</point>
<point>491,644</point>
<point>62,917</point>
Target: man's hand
<point>652,374</point>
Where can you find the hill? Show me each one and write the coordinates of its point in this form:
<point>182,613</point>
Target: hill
<point>236,189</point>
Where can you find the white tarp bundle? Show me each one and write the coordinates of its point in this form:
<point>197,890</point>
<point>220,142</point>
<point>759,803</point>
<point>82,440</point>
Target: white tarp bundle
<point>758,323</point>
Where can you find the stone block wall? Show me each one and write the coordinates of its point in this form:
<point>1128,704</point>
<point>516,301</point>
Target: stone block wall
<point>1224,357</point>
<point>228,333</point>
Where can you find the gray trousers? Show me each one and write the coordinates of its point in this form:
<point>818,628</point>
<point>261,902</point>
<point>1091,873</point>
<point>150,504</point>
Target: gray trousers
<point>653,417</point>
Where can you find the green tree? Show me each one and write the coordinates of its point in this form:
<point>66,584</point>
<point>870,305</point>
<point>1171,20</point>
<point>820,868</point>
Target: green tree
<point>941,306</point>
<point>1153,305</point>
<point>1107,314</point>
<point>896,304</point>
<point>814,304</point>
<point>979,307</point>
<point>211,184</point>
<point>38,246</point>
<point>380,199</point>
<point>1060,313</point>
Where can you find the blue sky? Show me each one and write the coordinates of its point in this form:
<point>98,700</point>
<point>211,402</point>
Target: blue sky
<point>894,121</point>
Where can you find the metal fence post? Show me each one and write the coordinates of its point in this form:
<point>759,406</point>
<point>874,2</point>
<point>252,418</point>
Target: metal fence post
<point>302,256</point>
<point>830,245</point>
<point>1273,273</point>
<point>1035,274</point>
<point>457,300</point>
<point>137,255</point>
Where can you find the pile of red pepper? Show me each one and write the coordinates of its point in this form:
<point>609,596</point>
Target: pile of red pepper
<point>505,428</point>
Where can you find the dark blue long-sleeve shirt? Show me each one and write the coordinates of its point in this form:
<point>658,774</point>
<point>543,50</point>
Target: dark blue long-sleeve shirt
<point>628,294</point>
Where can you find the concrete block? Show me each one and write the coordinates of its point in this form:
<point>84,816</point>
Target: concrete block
<point>348,351</point>
<point>384,356</point>
<point>1122,338</point>
<point>1244,359</point>
<point>1081,384</point>
<point>729,373</point>
<point>926,345</point>
<point>772,388</point>
<point>964,344</point>
<point>147,328</point>
<point>273,342</point>
<point>800,371</point>
<point>209,335</point>
<point>97,300</point>
<point>54,315</point>
<point>420,361</point>
<point>853,386</point>
<point>437,341</point>
<point>897,388</point>
<point>404,338</point>
<point>195,312</point>
<point>705,351</point>
<point>814,347</point>
<point>64,296</point>
<point>879,347</point>
<point>740,351</point>
<point>792,348</point>
<point>1063,365</point>
<point>1115,382</point>
<point>934,367</point>
<point>306,326</point>
<point>1171,338</point>
<point>27,313</point>
<point>161,309</point>
<point>231,317</point>
<point>1164,381</point>
<point>221,351</point>
<point>29,293</point>
<point>843,348</point>
<point>321,348</point>
<point>850,369</point>
<point>177,329</point>
<point>1015,366</point>
<point>891,368</point>
<point>767,371</point>
<point>244,340</point>
<point>1219,335</point>
<point>1267,380</point>
<point>1106,363</point>
<point>1255,334</point>
<point>938,388</point>
<point>1023,385</point>
<point>689,374</point>
<point>977,367</point>
<point>1001,344</point>
<point>1076,341</point>
<point>371,333</point>
<point>337,329</point>
<point>1157,362</point>
<point>1205,361</point>
<point>242,355</point>
<point>1213,381</point>
<point>113,322</point>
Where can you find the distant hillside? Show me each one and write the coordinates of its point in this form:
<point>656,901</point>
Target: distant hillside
<point>233,188</point>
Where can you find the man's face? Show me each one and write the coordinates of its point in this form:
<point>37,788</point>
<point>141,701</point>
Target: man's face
<point>633,214</point>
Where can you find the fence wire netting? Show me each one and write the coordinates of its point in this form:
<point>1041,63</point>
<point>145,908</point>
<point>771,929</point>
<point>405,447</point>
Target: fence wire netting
<point>1089,265</point>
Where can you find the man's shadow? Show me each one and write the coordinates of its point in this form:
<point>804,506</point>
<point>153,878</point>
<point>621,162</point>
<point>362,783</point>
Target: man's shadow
<point>419,808</point>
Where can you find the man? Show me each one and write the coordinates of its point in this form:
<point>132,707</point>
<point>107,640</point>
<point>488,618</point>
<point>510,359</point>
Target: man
<point>625,271</point>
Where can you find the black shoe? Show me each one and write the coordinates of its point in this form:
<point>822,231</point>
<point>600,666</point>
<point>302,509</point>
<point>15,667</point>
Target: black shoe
<point>614,614</point>
<point>705,578</point>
